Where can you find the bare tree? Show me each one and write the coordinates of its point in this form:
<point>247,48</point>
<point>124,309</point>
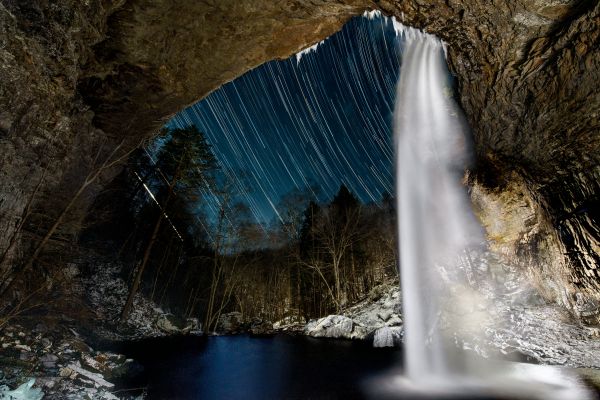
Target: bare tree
<point>336,237</point>
<point>185,161</point>
<point>112,159</point>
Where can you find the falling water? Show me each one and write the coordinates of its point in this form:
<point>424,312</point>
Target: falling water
<point>435,222</point>
<point>436,226</point>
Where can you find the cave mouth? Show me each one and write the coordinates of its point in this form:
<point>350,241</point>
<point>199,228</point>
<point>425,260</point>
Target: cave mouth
<point>308,124</point>
<point>500,65</point>
<point>236,175</point>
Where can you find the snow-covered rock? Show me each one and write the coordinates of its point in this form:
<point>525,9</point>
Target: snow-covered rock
<point>24,392</point>
<point>261,327</point>
<point>107,292</point>
<point>387,337</point>
<point>62,365</point>
<point>231,323</point>
<point>332,326</point>
<point>96,378</point>
<point>168,324</point>
<point>380,309</point>
<point>290,324</point>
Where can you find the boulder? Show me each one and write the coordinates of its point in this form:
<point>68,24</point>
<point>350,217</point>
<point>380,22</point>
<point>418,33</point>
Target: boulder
<point>169,324</point>
<point>49,361</point>
<point>260,327</point>
<point>88,376</point>
<point>231,323</point>
<point>110,365</point>
<point>387,337</point>
<point>192,326</point>
<point>332,326</point>
<point>587,309</point>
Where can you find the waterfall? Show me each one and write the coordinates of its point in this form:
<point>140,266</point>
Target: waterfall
<point>436,226</point>
<point>435,222</point>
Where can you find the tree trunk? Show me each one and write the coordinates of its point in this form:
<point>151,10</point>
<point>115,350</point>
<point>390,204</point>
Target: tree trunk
<point>90,178</point>
<point>165,256</point>
<point>138,277</point>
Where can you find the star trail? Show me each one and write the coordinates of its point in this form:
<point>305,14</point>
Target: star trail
<point>308,123</point>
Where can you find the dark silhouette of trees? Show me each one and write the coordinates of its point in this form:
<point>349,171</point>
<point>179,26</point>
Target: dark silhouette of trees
<point>344,249</point>
<point>203,262</point>
<point>51,234</point>
<point>185,162</point>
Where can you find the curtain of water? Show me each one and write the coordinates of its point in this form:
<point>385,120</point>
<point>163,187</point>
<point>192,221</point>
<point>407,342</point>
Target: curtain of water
<point>435,221</point>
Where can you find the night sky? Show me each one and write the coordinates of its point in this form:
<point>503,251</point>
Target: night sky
<point>308,125</point>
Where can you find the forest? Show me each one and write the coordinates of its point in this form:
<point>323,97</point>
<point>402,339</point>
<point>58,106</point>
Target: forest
<point>189,243</point>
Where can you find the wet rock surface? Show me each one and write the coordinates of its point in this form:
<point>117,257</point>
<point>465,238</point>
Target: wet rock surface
<point>547,335</point>
<point>519,323</point>
<point>511,320</point>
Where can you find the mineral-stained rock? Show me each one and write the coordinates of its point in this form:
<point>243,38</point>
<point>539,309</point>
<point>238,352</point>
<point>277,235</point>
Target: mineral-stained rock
<point>78,77</point>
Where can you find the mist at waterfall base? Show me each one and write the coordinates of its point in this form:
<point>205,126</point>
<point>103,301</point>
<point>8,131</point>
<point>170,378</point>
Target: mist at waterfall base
<point>436,227</point>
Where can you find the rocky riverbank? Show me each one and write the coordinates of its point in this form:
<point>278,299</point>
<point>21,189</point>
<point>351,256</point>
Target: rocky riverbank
<point>377,318</point>
<point>60,364</point>
<point>57,356</point>
<point>106,292</point>
<point>518,322</point>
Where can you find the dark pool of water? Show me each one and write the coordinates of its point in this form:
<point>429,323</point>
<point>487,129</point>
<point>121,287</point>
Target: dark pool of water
<point>243,367</point>
<point>280,367</point>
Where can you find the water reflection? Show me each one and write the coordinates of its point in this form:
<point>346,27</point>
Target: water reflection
<point>242,367</point>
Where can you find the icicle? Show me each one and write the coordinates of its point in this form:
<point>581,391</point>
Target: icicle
<point>307,51</point>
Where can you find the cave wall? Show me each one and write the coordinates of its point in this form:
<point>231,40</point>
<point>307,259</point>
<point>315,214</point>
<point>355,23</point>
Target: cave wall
<point>528,74</point>
<point>78,75</point>
<point>46,132</point>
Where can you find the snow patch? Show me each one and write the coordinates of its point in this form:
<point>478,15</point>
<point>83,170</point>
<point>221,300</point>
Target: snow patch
<point>381,309</point>
<point>107,291</point>
<point>332,326</point>
<point>98,379</point>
